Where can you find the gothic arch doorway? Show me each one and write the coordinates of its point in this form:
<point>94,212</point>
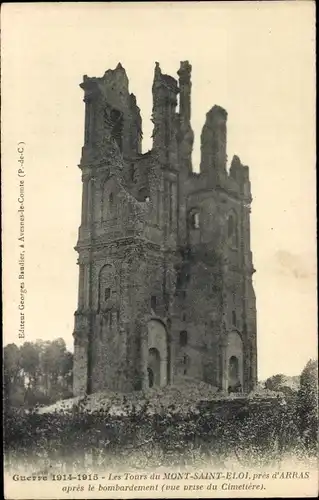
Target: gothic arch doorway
<point>233,374</point>
<point>157,354</point>
<point>150,374</point>
<point>154,368</point>
<point>235,359</point>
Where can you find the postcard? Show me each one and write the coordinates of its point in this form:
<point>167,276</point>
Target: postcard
<point>159,250</point>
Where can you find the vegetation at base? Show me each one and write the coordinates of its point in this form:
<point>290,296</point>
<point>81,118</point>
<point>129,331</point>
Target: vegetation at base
<point>193,424</point>
<point>254,430</point>
<point>37,373</point>
<point>280,383</point>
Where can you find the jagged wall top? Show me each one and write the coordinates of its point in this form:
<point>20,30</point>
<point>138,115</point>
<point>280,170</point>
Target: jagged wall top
<point>163,79</point>
<point>113,88</point>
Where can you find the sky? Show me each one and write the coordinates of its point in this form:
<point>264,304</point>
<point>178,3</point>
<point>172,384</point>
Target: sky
<point>255,59</point>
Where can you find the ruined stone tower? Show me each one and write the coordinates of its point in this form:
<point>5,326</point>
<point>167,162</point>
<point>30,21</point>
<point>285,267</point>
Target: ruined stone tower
<point>165,266</point>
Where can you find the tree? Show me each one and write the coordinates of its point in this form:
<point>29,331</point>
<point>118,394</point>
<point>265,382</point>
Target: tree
<point>13,383</point>
<point>307,402</point>
<point>12,366</point>
<point>275,382</point>
<point>67,369</point>
<point>53,359</point>
<point>30,362</point>
<point>280,383</point>
<point>37,372</point>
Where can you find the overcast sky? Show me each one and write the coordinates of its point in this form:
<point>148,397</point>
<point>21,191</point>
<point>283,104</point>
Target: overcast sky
<point>255,59</point>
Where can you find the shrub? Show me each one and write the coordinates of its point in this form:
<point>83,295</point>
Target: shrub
<point>258,430</point>
<point>307,403</point>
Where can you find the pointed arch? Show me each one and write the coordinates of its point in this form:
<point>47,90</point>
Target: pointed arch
<point>158,356</point>
<point>143,194</point>
<point>235,362</point>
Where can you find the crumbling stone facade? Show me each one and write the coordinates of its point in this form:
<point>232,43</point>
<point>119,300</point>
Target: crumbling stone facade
<point>165,266</point>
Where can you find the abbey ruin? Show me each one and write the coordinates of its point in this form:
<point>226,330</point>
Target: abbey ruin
<point>165,264</point>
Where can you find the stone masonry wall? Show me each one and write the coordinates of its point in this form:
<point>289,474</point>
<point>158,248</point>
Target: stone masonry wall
<point>160,242</point>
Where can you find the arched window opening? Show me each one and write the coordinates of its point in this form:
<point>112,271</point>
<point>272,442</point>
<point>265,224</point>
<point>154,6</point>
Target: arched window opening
<point>234,318</point>
<point>150,377</point>
<point>194,220</point>
<point>107,294</point>
<point>111,198</point>
<point>234,384</point>
<point>233,367</point>
<point>154,367</point>
<point>143,195</point>
<point>158,355</point>
<point>185,363</point>
<point>183,338</point>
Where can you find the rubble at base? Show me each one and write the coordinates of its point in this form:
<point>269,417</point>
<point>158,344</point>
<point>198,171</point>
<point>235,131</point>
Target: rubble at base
<point>173,398</point>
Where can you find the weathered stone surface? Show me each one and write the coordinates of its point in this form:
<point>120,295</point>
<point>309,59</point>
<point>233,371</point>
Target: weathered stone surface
<point>165,281</point>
